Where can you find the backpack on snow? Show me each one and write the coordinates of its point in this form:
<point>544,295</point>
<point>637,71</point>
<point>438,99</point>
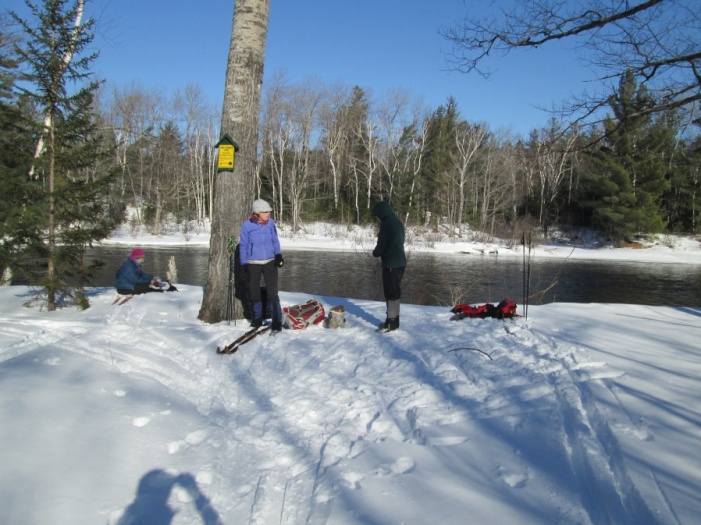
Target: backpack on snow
<point>300,316</point>
<point>506,309</point>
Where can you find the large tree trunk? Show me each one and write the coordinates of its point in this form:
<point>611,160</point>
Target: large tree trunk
<point>233,192</point>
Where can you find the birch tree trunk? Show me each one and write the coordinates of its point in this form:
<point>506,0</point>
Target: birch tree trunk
<point>334,118</point>
<point>233,192</point>
<point>468,140</point>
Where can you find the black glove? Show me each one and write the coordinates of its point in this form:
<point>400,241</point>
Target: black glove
<point>279,261</point>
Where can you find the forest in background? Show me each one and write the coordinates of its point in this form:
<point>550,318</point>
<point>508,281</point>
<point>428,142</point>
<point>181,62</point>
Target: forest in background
<point>328,152</point>
<point>325,152</point>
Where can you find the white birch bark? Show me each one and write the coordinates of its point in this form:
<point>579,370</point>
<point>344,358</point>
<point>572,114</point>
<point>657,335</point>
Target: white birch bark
<point>233,193</point>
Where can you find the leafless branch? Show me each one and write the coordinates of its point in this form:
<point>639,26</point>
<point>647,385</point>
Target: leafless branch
<point>659,41</point>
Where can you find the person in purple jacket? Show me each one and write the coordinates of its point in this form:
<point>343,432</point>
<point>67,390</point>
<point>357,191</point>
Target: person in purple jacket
<point>259,254</point>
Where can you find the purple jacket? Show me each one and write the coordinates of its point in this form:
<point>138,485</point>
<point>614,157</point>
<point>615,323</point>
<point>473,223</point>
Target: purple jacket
<point>259,242</point>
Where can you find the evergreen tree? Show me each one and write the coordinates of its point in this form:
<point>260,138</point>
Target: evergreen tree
<point>357,152</point>
<point>165,175</point>
<point>628,176</point>
<point>57,81</point>
<point>18,196</point>
<point>682,202</point>
<point>438,158</point>
<point>8,67</point>
<point>408,162</point>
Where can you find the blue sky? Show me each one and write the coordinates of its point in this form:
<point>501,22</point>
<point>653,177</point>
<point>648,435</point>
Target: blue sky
<point>376,44</point>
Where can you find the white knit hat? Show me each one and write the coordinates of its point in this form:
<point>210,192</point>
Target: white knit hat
<point>260,206</point>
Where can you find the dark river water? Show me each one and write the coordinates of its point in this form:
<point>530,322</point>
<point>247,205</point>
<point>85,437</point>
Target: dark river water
<point>447,279</point>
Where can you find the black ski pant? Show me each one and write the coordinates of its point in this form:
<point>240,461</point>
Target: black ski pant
<point>392,283</point>
<point>269,273</point>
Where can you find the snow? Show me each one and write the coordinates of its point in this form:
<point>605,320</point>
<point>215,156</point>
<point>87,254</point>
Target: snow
<point>579,414</point>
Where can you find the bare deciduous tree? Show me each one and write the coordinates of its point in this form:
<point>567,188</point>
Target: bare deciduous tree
<point>334,112</point>
<point>414,144</point>
<point>197,119</point>
<point>134,114</point>
<point>367,135</point>
<point>658,40</point>
<point>394,117</point>
<point>274,139</point>
<point>547,161</point>
<point>305,101</point>
<point>468,139</point>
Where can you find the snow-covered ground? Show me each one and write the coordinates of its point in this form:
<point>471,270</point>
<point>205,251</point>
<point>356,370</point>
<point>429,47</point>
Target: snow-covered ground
<point>121,415</point>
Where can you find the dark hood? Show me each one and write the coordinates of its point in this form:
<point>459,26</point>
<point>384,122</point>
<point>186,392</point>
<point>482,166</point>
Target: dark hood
<point>382,210</point>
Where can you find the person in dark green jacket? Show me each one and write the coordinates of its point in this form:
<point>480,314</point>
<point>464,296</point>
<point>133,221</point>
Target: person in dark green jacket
<point>390,249</point>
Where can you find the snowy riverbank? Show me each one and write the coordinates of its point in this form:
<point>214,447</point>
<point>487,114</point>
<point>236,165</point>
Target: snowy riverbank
<point>330,237</point>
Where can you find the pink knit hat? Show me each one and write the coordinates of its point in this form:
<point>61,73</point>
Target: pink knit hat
<point>137,253</point>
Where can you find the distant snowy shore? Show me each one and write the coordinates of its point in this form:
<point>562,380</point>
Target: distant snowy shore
<point>333,237</point>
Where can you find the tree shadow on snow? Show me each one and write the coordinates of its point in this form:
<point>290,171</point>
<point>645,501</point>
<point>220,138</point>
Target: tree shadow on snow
<point>151,502</point>
<point>691,311</point>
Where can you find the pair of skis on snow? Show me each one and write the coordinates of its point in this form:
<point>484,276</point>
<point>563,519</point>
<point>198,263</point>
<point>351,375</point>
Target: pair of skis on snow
<point>245,338</point>
<point>122,299</point>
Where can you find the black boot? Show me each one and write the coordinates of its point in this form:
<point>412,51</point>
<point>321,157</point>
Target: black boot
<point>389,325</point>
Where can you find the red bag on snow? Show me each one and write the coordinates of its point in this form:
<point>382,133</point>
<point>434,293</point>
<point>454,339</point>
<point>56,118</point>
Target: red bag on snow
<point>506,309</point>
<point>462,311</point>
<point>300,316</point>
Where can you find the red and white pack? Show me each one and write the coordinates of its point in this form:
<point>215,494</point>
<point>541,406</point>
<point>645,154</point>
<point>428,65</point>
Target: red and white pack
<point>299,316</point>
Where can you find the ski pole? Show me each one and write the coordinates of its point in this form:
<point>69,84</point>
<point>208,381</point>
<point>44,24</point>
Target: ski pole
<point>231,246</point>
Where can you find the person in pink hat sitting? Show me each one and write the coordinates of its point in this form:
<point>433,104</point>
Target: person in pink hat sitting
<point>131,278</point>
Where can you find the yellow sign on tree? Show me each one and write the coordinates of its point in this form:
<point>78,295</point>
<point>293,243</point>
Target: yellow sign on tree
<point>227,153</point>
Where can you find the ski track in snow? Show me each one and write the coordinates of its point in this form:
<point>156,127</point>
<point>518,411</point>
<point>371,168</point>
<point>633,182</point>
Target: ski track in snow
<point>336,405</point>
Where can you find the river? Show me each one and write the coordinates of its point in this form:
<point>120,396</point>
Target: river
<point>447,279</point>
